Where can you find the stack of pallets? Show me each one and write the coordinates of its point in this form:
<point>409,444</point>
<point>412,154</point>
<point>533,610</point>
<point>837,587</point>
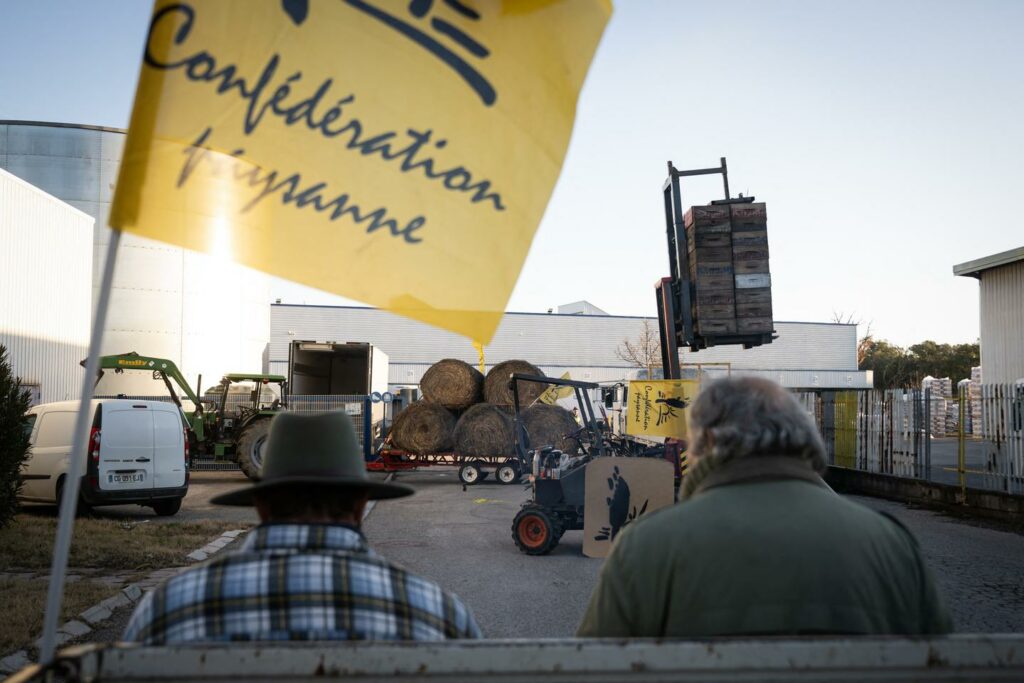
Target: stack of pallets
<point>727,248</point>
<point>975,388</point>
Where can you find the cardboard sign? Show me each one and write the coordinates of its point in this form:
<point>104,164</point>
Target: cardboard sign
<point>659,407</point>
<point>330,142</point>
<point>618,491</point>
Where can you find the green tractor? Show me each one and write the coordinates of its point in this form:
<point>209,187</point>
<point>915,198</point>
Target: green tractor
<point>231,423</point>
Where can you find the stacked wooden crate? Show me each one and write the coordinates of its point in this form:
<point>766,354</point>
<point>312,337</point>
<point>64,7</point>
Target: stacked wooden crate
<point>727,249</point>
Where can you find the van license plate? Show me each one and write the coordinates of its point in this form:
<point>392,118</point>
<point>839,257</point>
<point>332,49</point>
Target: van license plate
<point>129,478</point>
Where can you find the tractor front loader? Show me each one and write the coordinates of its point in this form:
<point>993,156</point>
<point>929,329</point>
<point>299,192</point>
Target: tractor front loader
<point>232,425</point>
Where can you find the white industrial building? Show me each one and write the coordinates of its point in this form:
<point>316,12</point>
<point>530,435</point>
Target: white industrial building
<point>805,355</point>
<point>211,316</point>
<point>204,312</point>
<point>1001,288</point>
<point>45,277</point>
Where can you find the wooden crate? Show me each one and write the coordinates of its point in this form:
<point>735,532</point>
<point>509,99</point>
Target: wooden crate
<point>752,266</point>
<point>727,258</point>
<point>712,216</point>
<point>740,254</point>
<point>751,216</point>
<point>754,325</point>
<point>760,295</point>
<point>758,310</point>
<point>749,238</point>
<point>710,239</point>
<point>716,296</point>
<point>714,311</point>
<point>715,327</point>
<point>710,255</point>
<point>753,281</point>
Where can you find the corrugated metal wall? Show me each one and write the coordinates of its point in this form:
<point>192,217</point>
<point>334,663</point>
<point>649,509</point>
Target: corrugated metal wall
<point>204,312</point>
<point>45,280</point>
<point>1002,324</point>
<point>804,355</point>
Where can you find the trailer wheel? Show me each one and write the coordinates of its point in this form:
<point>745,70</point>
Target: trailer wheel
<point>250,448</point>
<point>507,473</point>
<point>536,531</point>
<point>470,474</point>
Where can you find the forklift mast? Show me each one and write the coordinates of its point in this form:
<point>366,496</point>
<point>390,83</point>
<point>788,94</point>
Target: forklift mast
<point>675,293</point>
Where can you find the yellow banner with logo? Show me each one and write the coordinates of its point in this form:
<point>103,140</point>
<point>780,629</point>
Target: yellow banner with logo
<point>398,153</point>
<point>659,407</point>
<point>553,393</point>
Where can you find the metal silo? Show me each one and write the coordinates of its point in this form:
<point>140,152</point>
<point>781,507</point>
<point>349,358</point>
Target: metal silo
<point>202,311</point>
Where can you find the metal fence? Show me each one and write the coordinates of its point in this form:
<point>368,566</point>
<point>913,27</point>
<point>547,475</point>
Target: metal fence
<point>974,439</point>
<point>356,406</point>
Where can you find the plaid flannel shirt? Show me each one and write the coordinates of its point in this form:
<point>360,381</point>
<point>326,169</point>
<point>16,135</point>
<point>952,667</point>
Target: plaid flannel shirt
<point>299,582</point>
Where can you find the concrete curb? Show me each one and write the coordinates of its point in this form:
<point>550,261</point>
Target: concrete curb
<point>993,505</point>
<point>214,546</point>
<point>96,615</point>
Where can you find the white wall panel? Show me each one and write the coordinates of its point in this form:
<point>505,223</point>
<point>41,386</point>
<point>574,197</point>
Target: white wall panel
<point>558,341</point>
<point>45,275</point>
<point>1002,324</point>
<point>209,316</point>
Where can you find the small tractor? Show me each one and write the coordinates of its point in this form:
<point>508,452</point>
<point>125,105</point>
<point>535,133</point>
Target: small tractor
<point>558,479</point>
<point>224,428</point>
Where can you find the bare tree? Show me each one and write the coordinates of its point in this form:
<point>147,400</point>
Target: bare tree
<point>644,351</point>
<point>865,341</point>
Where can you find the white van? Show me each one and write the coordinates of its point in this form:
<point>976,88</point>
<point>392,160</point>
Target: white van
<point>137,453</point>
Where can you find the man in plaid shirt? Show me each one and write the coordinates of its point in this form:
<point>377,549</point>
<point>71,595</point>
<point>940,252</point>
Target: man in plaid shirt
<point>307,572</point>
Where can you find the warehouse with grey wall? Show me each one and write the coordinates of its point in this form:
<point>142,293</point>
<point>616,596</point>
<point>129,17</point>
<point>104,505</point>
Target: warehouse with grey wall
<point>1001,310</point>
<point>805,355</point>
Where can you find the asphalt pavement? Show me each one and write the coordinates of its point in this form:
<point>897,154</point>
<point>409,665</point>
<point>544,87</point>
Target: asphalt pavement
<point>461,538</point>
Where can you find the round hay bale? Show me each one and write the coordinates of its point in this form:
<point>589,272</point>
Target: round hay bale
<point>453,384</point>
<point>498,391</point>
<point>548,426</point>
<point>484,430</point>
<point>424,428</point>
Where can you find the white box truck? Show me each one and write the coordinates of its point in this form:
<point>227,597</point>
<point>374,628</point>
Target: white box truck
<point>330,368</point>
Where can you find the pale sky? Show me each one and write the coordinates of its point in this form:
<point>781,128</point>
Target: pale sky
<point>885,137</point>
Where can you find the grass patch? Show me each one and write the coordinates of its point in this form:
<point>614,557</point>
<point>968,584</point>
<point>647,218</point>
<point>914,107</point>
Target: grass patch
<point>106,543</point>
<point>24,602</point>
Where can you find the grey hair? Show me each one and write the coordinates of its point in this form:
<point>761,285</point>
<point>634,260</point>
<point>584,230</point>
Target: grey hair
<point>749,416</point>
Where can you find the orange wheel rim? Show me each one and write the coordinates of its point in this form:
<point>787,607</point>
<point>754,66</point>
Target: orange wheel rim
<point>533,531</point>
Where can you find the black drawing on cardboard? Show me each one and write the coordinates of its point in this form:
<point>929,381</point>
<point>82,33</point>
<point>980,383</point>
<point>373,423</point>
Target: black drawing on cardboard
<point>619,512</point>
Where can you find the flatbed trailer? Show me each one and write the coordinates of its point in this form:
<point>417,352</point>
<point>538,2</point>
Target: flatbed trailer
<point>472,468</point>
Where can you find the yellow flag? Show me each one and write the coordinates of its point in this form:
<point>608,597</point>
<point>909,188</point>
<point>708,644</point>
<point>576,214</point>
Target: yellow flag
<point>398,153</point>
<point>553,393</point>
<point>659,407</point>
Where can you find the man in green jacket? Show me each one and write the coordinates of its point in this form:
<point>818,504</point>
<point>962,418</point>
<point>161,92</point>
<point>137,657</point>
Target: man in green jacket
<point>760,545</point>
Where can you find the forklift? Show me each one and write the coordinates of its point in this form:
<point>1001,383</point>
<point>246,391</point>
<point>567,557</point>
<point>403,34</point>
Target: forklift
<point>558,479</point>
<point>237,432</point>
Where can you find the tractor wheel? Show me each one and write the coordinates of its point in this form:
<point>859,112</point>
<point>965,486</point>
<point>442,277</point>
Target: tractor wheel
<point>507,473</point>
<point>250,448</point>
<point>469,474</point>
<point>535,530</point>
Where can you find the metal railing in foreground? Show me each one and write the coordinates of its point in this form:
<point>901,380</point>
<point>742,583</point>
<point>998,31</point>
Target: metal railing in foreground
<point>960,658</point>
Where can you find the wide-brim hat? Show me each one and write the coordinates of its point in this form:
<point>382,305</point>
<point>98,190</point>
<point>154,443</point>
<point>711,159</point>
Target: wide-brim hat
<point>317,450</point>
